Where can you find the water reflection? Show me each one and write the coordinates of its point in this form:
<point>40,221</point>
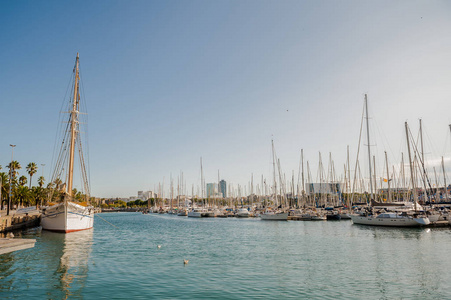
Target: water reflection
<point>6,270</point>
<point>71,262</point>
<point>380,232</point>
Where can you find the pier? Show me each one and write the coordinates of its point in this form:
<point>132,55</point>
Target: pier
<point>8,245</point>
<point>19,221</point>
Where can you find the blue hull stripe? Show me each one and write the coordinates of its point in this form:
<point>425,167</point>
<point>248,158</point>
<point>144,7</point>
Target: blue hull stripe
<point>62,212</point>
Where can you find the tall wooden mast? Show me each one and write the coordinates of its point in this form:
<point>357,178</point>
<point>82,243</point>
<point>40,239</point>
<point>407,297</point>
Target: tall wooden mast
<point>73,133</point>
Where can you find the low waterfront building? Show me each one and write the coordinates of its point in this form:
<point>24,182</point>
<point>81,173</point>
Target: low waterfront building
<point>324,188</point>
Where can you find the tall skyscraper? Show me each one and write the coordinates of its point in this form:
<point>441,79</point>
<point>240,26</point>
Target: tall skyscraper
<point>211,189</point>
<point>223,188</point>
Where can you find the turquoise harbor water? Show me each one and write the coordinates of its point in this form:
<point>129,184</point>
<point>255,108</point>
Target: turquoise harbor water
<point>229,259</point>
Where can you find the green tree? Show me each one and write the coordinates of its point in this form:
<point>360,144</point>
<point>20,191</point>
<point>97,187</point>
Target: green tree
<point>22,195</point>
<point>54,191</point>
<point>22,180</point>
<point>13,167</point>
<point>78,195</point>
<point>32,168</point>
<point>41,181</point>
<point>58,184</point>
<point>38,195</point>
<point>120,203</point>
<point>4,182</point>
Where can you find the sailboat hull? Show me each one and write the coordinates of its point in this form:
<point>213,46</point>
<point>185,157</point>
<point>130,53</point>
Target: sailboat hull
<point>394,221</point>
<point>274,216</point>
<point>196,213</point>
<point>67,218</point>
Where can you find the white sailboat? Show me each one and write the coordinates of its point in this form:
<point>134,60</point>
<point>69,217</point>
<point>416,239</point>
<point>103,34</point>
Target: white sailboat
<point>274,216</point>
<point>242,213</point>
<point>411,218</point>
<point>196,213</point>
<point>391,219</point>
<point>68,216</point>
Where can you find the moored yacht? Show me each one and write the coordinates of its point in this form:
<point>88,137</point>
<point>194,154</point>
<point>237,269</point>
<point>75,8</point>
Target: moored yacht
<point>242,213</point>
<point>274,216</point>
<point>196,213</point>
<point>67,215</point>
<point>391,219</point>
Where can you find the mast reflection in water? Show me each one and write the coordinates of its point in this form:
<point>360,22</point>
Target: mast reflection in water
<point>73,263</point>
<point>56,268</point>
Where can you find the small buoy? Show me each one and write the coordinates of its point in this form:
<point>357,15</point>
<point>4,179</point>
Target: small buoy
<point>185,261</point>
<point>11,235</point>
<point>159,246</point>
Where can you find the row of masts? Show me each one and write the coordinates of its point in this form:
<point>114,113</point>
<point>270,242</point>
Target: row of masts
<point>286,193</point>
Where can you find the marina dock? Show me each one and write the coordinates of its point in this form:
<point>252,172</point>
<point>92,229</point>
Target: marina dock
<point>8,245</point>
<point>19,221</point>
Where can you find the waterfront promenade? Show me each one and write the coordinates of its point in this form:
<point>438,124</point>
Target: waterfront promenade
<point>17,221</point>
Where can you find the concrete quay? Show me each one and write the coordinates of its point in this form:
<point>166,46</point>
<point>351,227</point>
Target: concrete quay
<point>19,221</point>
<point>8,245</point>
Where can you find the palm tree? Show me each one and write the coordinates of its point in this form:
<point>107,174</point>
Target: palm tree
<point>41,181</point>
<point>38,195</point>
<point>58,184</point>
<point>4,186</point>
<point>32,168</point>
<point>22,195</point>
<point>22,180</point>
<point>13,167</point>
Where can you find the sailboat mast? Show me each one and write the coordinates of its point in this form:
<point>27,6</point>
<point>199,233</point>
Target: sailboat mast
<point>348,183</point>
<point>202,182</point>
<point>422,163</point>
<point>73,122</point>
<point>252,189</point>
<point>375,182</point>
<point>303,182</point>
<point>274,173</point>
<point>388,178</point>
<point>411,168</point>
<point>444,180</point>
<point>311,189</point>
<point>369,149</point>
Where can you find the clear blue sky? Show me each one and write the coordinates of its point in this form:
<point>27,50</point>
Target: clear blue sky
<point>170,81</point>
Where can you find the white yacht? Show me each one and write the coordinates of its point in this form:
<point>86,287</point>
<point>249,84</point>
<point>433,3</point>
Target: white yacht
<point>67,217</point>
<point>345,215</point>
<point>196,213</point>
<point>391,219</point>
<point>274,216</point>
<point>242,213</point>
